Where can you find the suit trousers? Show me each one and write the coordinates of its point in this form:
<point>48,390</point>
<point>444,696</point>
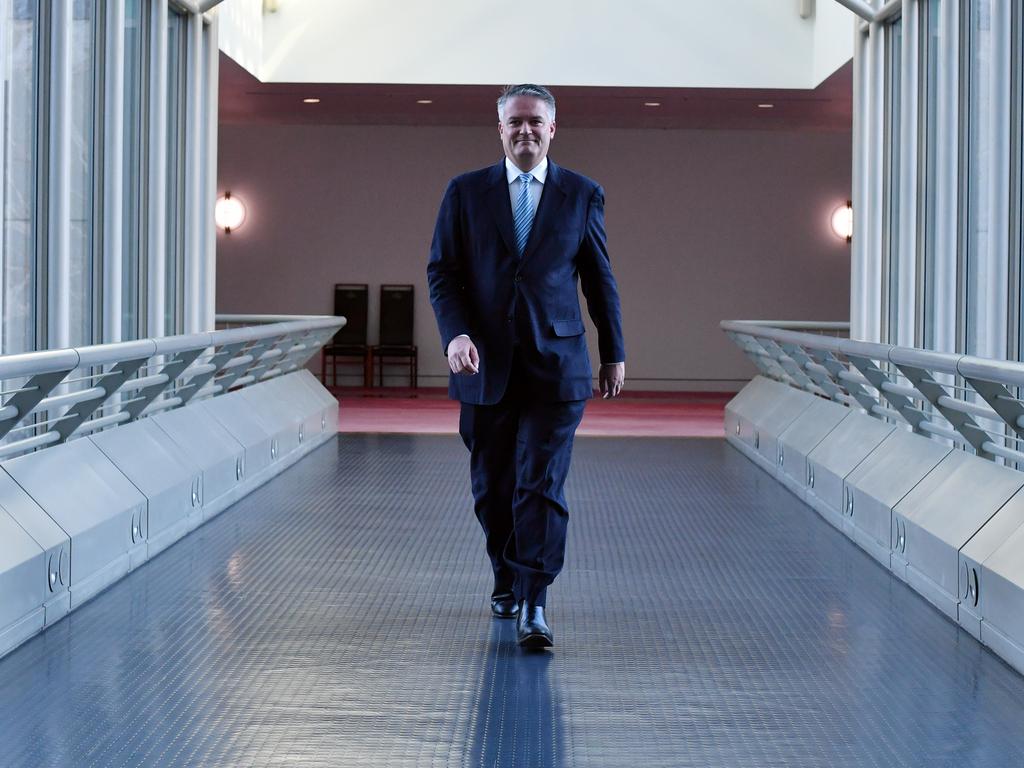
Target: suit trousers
<point>520,451</point>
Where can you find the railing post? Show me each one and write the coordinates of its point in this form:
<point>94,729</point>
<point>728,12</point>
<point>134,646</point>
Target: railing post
<point>803,360</point>
<point>878,379</point>
<point>112,380</point>
<point>792,369</point>
<point>836,367</point>
<point>172,370</point>
<point>218,360</point>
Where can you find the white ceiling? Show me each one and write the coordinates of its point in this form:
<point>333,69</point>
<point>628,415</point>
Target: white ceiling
<point>751,44</point>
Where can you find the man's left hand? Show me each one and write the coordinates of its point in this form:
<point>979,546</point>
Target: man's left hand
<point>611,379</point>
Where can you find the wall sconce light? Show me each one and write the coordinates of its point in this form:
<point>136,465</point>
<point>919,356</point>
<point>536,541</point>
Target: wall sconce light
<point>842,221</point>
<point>229,212</point>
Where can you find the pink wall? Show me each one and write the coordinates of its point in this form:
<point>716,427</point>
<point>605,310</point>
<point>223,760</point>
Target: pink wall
<point>702,226</point>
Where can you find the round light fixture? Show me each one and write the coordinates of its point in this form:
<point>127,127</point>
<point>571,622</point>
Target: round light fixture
<point>229,212</point>
<point>424,101</point>
<point>842,221</point>
<point>311,101</point>
<point>766,106</point>
<point>652,103</point>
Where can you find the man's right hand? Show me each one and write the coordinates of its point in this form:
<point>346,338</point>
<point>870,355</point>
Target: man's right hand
<point>463,357</point>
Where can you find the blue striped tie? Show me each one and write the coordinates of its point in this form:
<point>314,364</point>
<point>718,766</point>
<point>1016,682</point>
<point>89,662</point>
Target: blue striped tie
<point>523,217</point>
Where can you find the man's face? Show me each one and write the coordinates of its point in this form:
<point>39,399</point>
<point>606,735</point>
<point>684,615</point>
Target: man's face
<point>526,130</point>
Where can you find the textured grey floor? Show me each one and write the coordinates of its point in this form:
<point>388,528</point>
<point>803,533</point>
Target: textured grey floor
<point>337,617</point>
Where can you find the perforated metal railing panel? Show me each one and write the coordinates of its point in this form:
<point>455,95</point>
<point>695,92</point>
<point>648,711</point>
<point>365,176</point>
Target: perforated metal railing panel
<point>338,617</point>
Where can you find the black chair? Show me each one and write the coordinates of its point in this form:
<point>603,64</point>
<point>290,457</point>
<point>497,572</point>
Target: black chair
<point>397,308</point>
<point>349,344</point>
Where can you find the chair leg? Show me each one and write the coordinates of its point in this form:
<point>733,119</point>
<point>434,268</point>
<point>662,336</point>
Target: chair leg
<point>323,367</point>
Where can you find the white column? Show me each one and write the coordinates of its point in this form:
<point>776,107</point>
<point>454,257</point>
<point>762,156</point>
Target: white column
<point>209,231</point>
<point>58,181</point>
<point>5,14</point>
<point>194,174</point>
<point>156,215</point>
<point>874,171</point>
<point>946,182</point>
<point>906,252</point>
<point>996,291</point>
<point>113,172</point>
<point>858,251</point>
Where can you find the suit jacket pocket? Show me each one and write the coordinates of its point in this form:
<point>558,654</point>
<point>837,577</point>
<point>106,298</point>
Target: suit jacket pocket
<point>567,327</point>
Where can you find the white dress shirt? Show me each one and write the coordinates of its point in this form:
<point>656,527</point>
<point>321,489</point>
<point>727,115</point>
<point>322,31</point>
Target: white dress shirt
<point>539,173</point>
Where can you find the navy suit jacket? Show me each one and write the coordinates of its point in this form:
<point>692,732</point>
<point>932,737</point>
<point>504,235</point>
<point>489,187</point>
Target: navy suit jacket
<point>480,286</point>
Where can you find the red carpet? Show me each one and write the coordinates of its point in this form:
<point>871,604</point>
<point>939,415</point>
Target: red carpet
<point>636,414</point>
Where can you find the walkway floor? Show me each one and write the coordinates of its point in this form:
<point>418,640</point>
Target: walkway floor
<point>338,617</point>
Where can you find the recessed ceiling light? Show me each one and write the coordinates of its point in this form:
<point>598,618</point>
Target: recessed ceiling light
<point>652,103</point>
<point>765,106</point>
<point>311,101</point>
<point>424,101</point>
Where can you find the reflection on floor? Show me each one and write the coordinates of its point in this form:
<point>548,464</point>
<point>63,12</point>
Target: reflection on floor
<point>338,617</point>
<point>635,414</point>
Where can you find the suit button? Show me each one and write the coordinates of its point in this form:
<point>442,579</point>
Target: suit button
<point>518,278</point>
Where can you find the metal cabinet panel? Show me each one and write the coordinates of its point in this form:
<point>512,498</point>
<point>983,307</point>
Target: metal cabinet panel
<point>163,472</point>
<point>219,455</point>
<point>101,511</point>
<point>1001,590</point>
<point>787,404</point>
<point>52,540</point>
<point>247,425</point>
<point>992,536</point>
<point>279,414</point>
<point>801,437</point>
<point>329,405</point>
<point>743,410</point>
<point>880,482</point>
<point>836,456</point>
<point>23,588</point>
<point>941,514</point>
<point>297,389</point>
<point>323,395</point>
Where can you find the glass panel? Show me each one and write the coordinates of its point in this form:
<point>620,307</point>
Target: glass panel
<point>177,35</point>
<point>135,69</point>
<point>979,274</point>
<point>927,182</point>
<point>21,29</point>
<point>891,174</point>
<point>83,177</point>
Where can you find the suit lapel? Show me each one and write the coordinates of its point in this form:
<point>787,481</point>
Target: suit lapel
<point>501,205</point>
<point>551,200</point>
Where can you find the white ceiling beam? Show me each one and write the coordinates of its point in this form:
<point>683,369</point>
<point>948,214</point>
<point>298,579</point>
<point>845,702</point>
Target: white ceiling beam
<point>868,12</point>
<point>860,7</point>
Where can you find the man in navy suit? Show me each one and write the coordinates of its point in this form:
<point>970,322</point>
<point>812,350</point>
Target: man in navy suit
<point>511,241</point>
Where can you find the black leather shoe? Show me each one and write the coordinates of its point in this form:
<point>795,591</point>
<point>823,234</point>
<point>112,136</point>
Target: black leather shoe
<point>504,605</point>
<point>532,632</point>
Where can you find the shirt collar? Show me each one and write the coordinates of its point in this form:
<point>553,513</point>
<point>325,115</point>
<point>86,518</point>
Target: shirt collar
<point>539,172</point>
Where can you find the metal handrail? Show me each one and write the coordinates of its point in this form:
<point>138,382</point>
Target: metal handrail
<point>932,392</point>
<point>56,395</point>
<point>798,325</point>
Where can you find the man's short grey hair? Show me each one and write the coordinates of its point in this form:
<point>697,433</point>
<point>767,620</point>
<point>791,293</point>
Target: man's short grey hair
<point>526,89</point>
